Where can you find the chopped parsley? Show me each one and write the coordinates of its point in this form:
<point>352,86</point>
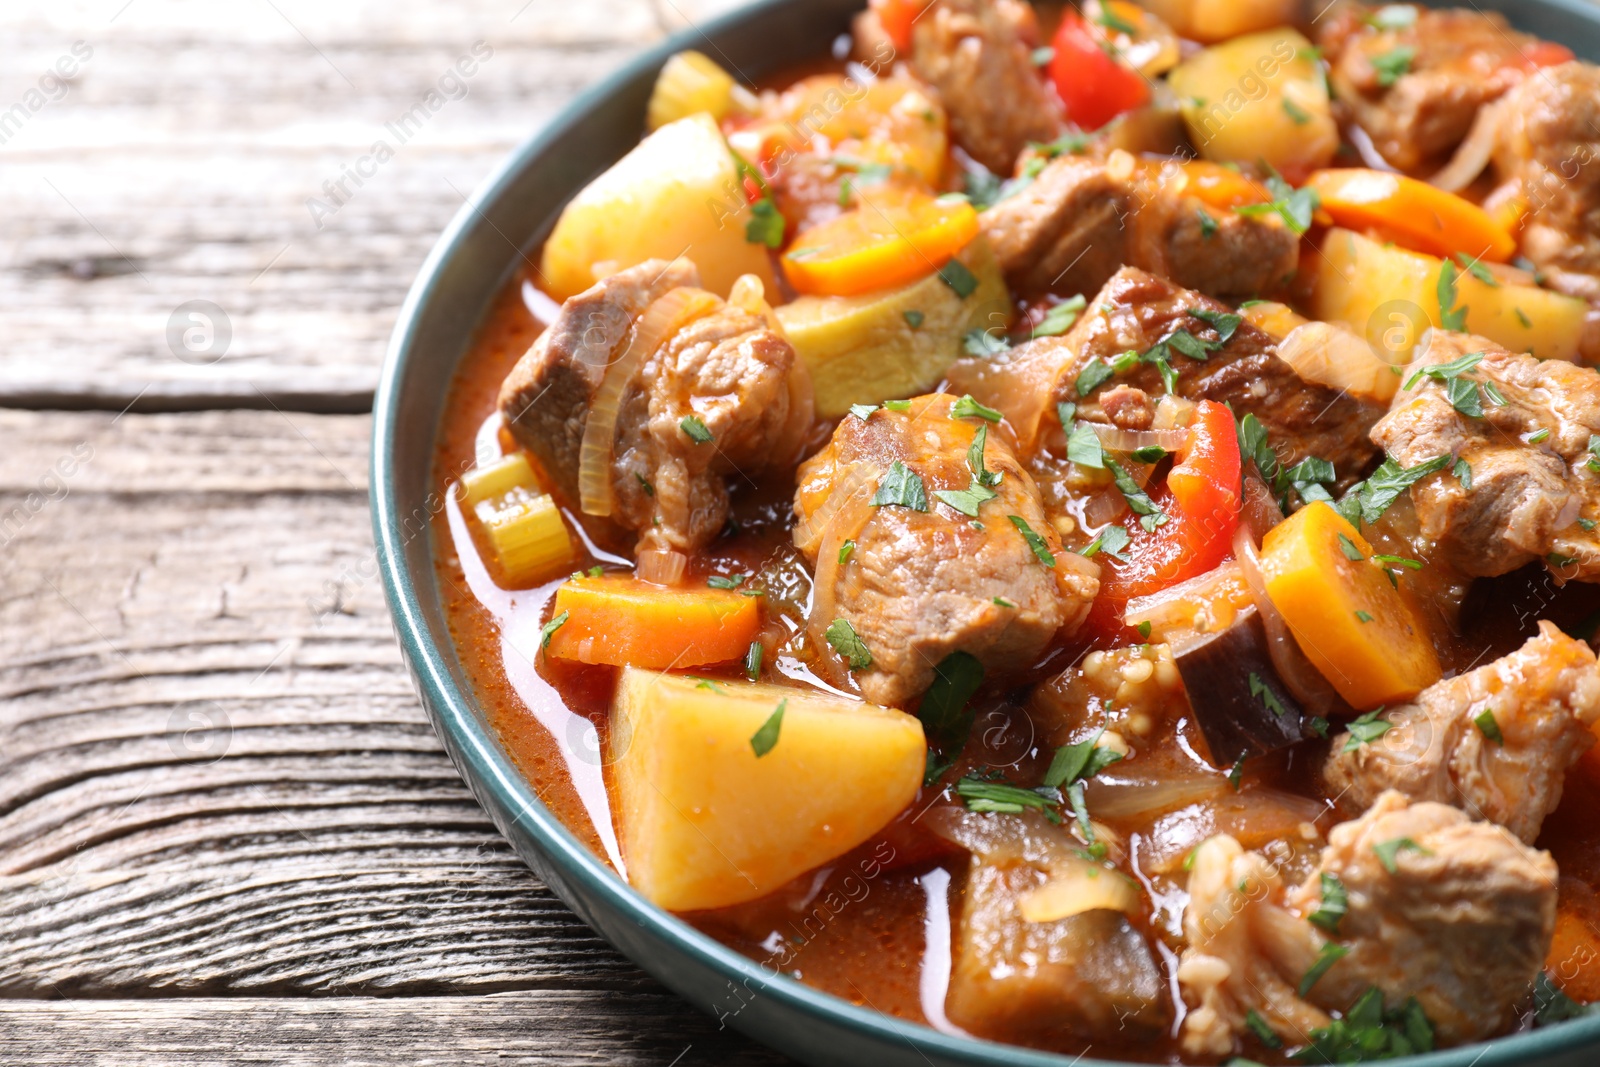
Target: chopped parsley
<point>1150,516</point>
<point>983,344</point>
<point>1262,692</point>
<point>980,474</point>
<point>943,711</point>
<point>845,551</point>
<point>1208,225</point>
<point>1366,729</point>
<point>863,411</point>
<point>1042,56</point>
<point>1368,1032</point>
<point>1394,64</point>
<point>549,629</point>
<point>968,500</point>
<point>732,581</point>
<point>1294,206</point>
<point>1035,542</point>
<point>845,641</point>
<point>1330,954</point>
<point>1488,727</point>
<point>1334,904</point>
<point>1392,17</point>
<point>1463,472</point>
<point>901,487</point>
<point>897,405</point>
<point>1144,629</point>
<point>1522,317</point>
<point>1003,799</point>
<point>967,408</point>
<point>752,661</point>
<point>1297,114</point>
<point>1474,266</point>
<point>1263,1033</point>
<point>1551,1005</point>
<point>1236,773</point>
<point>1111,540</point>
<point>695,429</point>
<point>1112,21</point>
<point>762,740</point>
<point>956,275</point>
<point>1148,454</point>
<point>1060,318</point>
<point>1351,552</point>
<point>914,319</point>
<point>1002,602</point>
<point>1450,316</point>
<point>1593,462</point>
<point>1363,617</point>
<point>644,483</point>
<point>1387,851</point>
<point>1079,762</point>
<point>1083,447</point>
<point>1226,323</point>
<point>766,224</point>
<point>1538,436</point>
<point>1093,376</point>
<point>1367,502</point>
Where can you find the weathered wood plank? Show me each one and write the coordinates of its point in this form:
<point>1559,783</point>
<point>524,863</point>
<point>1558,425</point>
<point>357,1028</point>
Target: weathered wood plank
<point>649,1030</point>
<point>187,156</point>
<point>214,777</point>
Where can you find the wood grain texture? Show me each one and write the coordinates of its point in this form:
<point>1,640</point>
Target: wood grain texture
<point>181,160</point>
<point>503,1029</point>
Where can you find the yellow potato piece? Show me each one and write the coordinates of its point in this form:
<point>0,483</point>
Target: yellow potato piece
<point>677,194</point>
<point>706,823</point>
<point>864,349</point>
<point>1390,295</point>
<point>1259,97</point>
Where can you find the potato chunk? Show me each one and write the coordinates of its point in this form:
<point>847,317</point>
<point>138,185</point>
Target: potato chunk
<point>705,822</point>
<point>677,194</point>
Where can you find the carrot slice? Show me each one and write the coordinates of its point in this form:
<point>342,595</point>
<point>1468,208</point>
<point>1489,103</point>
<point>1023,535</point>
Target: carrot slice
<point>625,622</point>
<point>895,237</point>
<point>1221,187</point>
<point>1412,212</point>
<point>1345,614</point>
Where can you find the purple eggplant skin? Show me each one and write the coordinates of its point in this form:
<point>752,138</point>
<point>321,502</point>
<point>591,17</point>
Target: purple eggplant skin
<point>1239,703</point>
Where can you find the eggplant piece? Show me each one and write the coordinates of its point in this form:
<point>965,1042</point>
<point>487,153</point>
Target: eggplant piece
<point>1240,704</point>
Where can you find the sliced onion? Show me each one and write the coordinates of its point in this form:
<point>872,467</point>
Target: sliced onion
<point>1117,439</point>
<point>1304,681</point>
<point>1083,887</point>
<point>750,296</point>
<point>1331,355</point>
<point>849,517</point>
<point>812,529</point>
<point>661,566</point>
<point>663,318</point>
<point>1174,413</point>
<point>1122,799</point>
<point>1260,512</point>
<point>1473,154</point>
<point>1018,383</point>
<point>1370,156</point>
<point>1206,603</point>
<point>1105,506</point>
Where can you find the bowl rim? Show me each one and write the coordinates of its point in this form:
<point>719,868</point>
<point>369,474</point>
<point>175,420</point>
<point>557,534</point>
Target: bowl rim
<point>489,770</point>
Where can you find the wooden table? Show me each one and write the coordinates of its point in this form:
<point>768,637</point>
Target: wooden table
<point>227,832</point>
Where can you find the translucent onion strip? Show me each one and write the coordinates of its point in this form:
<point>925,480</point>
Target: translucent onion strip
<point>660,321</point>
<point>1474,153</point>
<point>661,566</point>
<point>1304,681</point>
<point>1117,439</point>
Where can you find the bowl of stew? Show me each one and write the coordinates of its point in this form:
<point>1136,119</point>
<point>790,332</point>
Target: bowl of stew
<point>972,533</point>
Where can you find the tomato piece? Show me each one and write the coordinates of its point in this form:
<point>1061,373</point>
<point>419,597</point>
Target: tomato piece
<point>1202,502</point>
<point>1094,85</point>
<point>896,17</point>
<point>895,237</point>
<point>1414,213</point>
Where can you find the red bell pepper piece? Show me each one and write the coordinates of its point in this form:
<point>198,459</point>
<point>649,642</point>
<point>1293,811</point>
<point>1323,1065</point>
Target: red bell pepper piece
<point>1202,501</point>
<point>1094,85</point>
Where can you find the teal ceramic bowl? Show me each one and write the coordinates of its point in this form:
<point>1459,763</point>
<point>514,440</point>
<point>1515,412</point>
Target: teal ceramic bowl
<point>475,257</point>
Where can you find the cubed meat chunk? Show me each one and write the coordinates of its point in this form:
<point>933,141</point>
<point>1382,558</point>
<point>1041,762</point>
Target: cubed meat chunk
<point>1081,219</point>
<point>978,55</point>
<point>719,365</point>
<point>1549,143</point>
<point>1415,86</point>
<point>1495,742</point>
<point>925,578</point>
<point>1044,983</point>
<point>1454,913</point>
<point>1135,311</point>
<point>1530,489</point>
